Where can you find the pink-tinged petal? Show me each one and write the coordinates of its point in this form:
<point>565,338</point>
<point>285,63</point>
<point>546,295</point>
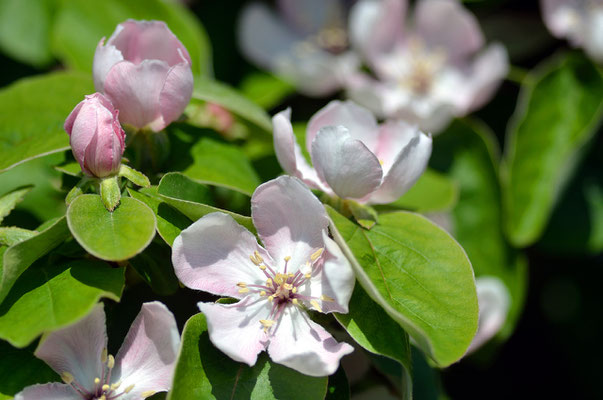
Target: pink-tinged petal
<point>305,346</point>
<point>48,391</point>
<point>213,255</point>
<point>494,301</point>
<point>375,26</point>
<point>103,154</point>
<point>77,349</point>
<point>448,25</point>
<point>289,220</point>
<point>135,90</point>
<point>148,40</point>
<point>176,93</point>
<point>334,278</point>
<point>408,165</point>
<point>489,70</point>
<point>236,330</point>
<point>346,164</point>
<point>289,153</point>
<point>563,18</point>
<point>359,122</point>
<point>105,57</point>
<point>310,16</point>
<point>81,126</point>
<point>147,357</point>
<point>593,36</point>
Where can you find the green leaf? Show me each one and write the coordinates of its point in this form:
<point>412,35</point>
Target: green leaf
<point>51,295</point>
<point>224,95</point>
<point>10,236</point>
<point>70,168</point>
<point>25,30</point>
<point>19,368</point>
<point>203,372</point>
<point>223,165</point>
<point>560,108</point>
<point>170,222</point>
<point>420,276</point>
<point>433,192</point>
<point>188,197</point>
<point>110,193</point>
<point>18,258</point>
<point>469,153</point>
<point>80,25</point>
<point>151,265</point>
<point>112,236</point>
<point>338,387</point>
<point>10,200</point>
<point>370,326</point>
<point>136,177</point>
<point>265,89</point>
<point>33,113</point>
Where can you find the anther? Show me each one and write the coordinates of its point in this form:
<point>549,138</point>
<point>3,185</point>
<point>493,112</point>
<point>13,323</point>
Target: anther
<point>270,298</point>
<point>308,275</point>
<point>105,387</point>
<point>243,290</point>
<point>254,260</point>
<point>324,297</point>
<point>258,256</point>
<point>287,258</point>
<point>316,254</point>
<point>104,356</point>
<point>316,305</point>
<point>96,381</point>
<point>288,286</point>
<point>110,361</point>
<point>147,393</point>
<point>241,284</point>
<point>263,267</point>
<point>294,301</point>
<point>263,293</point>
<point>269,282</point>
<point>294,290</point>
<point>267,323</point>
<point>67,377</point>
<point>129,388</point>
<point>116,385</point>
<point>103,397</point>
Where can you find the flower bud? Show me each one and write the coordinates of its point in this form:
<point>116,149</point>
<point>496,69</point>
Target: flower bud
<point>146,72</point>
<point>96,137</point>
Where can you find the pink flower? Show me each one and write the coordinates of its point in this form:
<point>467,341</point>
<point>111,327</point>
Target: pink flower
<point>580,21</point>
<point>299,267</point>
<point>353,157</point>
<point>428,72</point>
<point>144,364</point>
<point>307,44</point>
<point>96,137</point>
<point>146,72</point>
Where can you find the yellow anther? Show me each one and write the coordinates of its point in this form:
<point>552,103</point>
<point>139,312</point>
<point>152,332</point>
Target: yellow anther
<point>116,385</point>
<point>270,298</point>
<point>294,301</point>
<point>288,286</point>
<point>67,377</point>
<point>324,297</point>
<point>254,260</point>
<point>316,254</point>
<point>103,397</point>
<point>290,275</point>
<point>110,361</point>
<point>147,393</point>
<point>381,162</point>
<point>308,275</point>
<point>105,387</point>
<point>316,305</point>
<point>269,282</point>
<point>96,381</point>
<point>267,323</point>
<point>243,290</point>
<point>104,356</point>
<point>258,256</point>
<point>263,267</point>
<point>294,290</point>
<point>287,258</point>
<point>263,293</point>
<point>129,388</point>
<point>241,284</point>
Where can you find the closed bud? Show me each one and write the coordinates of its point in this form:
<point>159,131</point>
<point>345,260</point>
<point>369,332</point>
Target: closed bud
<point>146,72</point>
<point>96,137</point>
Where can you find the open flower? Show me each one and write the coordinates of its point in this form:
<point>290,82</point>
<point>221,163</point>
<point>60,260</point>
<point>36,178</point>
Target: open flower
<point>579,21</point>
<point>146,72</point>
<point>429,72</point>
<point>143,366</point>
<point>494,300</point>
<point>96,137</point>
<point>353,156</point>
<point>299,267</point>
<point>307,44</point>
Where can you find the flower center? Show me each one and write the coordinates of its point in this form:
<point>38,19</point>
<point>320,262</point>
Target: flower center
<point>103,389</point>
<point>282,289</point>
<point>421,67</point>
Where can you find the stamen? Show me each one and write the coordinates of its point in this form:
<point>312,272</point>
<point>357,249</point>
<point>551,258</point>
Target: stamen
<point>243,290</point>
<point>316,254</point>
<point>294,290</point>
<point>116,385</point>
<point>254,260</point>
<point>263,293</point>
<point>269,282</point>
<point>105,387</point>
<point>147,393</point>
<point>324,297</point>
<point>67,377</point>
<point>263,267</point>
<point>267,323</point>
<point>104,355</point>
<point>294,301</point>
<point>287,258</point>
<point>271,298</point>
<point>242,284</point>
<point>129,389</point>
<point>103,397</point>
<point>96,381</point>
<point>316,305</point>
<point>110,361</point>
<point>308,275</point>
<point>287,286</point>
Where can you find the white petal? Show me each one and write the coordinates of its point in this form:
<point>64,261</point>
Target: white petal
<point>310,16</point>
<point>48,391</point>
<point>104,58</point>
<point>213,255</point>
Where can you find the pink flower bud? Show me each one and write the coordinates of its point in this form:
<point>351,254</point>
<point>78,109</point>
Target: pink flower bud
<point>96,137</point>
<point>146,72</point>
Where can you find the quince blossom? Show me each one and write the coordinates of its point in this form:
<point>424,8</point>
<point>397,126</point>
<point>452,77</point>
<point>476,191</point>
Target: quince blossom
<point>580,21</point>
<point>144,364</point>
<point>300,267</point>
<point>426,73</point>
<point>306,44</point>
<point>146,72</point>
<point>353,156</point>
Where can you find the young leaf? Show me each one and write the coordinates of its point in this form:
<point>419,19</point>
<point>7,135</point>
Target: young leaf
<point>203,372</point>
<point>560,108</point>
<point>10,200</point>
<point>10,236</point>
<point>112,236</point>
<point>265,89</point>
<point>137,178</point>
<point>51,295</point>
<point>110,193</point>
<point>420,276</point>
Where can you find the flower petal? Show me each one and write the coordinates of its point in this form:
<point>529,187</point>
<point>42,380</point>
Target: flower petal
<point>335,279</point>
<point>359,122</point>
<point>236,330</point>
<point>48,391</point>
<point>563,18</point>
<point>494,301</point>
<point>135,91</point>
<point>489,70</point>
<point>289,154</point>
<point>213,255</point>
<point>449,25</point>
<point>105,57</point>
<point>147,357</point>
<point>346,164</point>
<point>310,16</point>
<point>175,94</point>
<point>305,346</point>
<point>77,349</point>
<point>408,165</point>
<point>289,220</point>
